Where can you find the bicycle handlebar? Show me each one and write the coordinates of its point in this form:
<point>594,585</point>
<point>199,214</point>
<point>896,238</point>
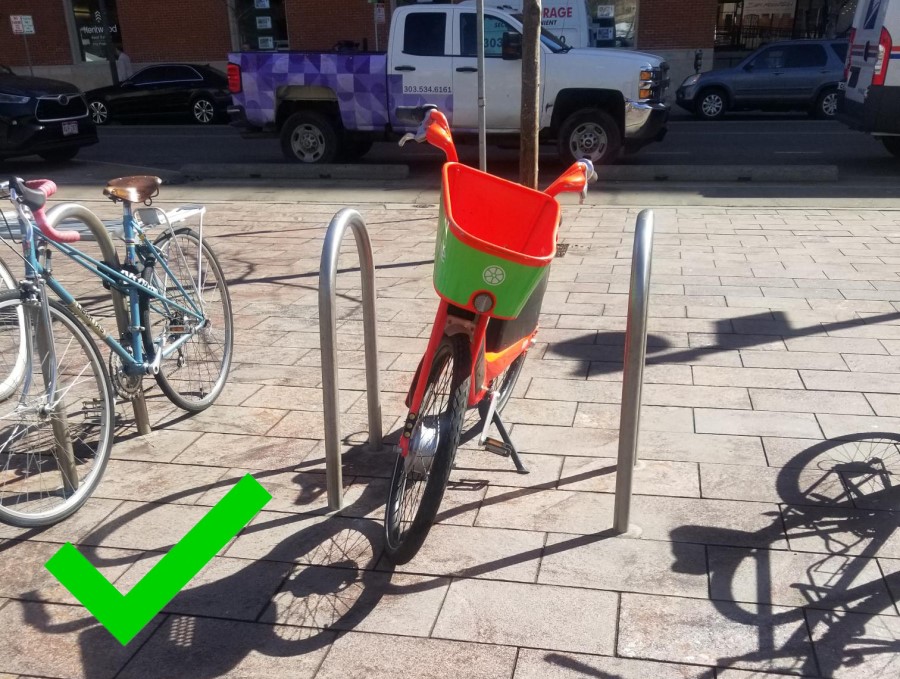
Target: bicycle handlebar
<point>414,115</point>
<point>433,128</point>
<point>33,194</point>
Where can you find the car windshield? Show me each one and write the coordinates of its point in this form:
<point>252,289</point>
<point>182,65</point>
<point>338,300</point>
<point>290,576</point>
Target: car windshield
<point>549,40</point>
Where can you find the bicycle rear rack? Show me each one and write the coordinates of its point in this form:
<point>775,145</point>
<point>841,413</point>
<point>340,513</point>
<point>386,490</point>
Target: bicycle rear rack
<point>633,373</point>
<point>331,250</point>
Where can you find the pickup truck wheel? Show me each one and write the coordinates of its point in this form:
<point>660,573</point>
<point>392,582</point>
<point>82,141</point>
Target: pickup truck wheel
<point>711,104</point>
<point>892,144</point>
<point>591,134</point>
<point>309,137</point>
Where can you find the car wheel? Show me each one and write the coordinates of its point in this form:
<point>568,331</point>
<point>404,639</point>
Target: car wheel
<point>60,155</point>
<point>892,144</point>
<point>711,104</point>
<point>591,134</point>
<point>99,112</point>
<point>203,110</point>
<point>310,137</point>
<point>826,105</point>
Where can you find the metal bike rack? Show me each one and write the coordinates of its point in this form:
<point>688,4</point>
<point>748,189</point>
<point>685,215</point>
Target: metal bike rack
<point>633,374</point>
<point>55,216</point>
<point>331,250</point>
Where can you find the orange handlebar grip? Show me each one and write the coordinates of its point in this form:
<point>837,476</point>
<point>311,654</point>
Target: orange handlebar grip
<point>438,134</point>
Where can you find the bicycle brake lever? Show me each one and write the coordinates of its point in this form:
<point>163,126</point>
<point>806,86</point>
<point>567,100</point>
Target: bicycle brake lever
<point>409,136</point>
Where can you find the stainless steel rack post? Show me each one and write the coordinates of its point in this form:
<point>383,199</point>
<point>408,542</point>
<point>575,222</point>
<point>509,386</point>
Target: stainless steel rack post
<point>633,373</point>
<point>327,334</point>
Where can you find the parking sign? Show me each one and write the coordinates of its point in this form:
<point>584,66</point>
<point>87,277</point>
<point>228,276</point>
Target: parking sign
<point>22,24</point>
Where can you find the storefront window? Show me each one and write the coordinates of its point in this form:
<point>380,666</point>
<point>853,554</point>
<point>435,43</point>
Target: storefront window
<point>747,24</point>
<point>262,25</point>
<point>89,25</point>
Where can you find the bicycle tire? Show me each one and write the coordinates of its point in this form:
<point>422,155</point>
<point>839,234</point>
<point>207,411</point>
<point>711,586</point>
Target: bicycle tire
<point>38,486</point>
<point>508,379</point>
<point>175,382</point>
<point>406,527</point>
<point>11,381</point>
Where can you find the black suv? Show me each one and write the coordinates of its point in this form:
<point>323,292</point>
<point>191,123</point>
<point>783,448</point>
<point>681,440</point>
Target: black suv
<point>48,118</point>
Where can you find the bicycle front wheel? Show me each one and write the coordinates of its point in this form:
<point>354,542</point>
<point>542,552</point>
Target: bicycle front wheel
<point>194,374</point>
<point>54,443</point>
<point>419,479</point>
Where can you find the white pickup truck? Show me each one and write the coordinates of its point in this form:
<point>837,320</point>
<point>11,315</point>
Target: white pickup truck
<point>330,106</point>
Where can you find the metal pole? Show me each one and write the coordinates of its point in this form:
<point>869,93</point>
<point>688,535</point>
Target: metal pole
<point>327,333</point>
<point>28,55</point>
<point>107,42</point>
<point>633,373</point>
<point>63,211</point>
<point>376,25</point>
<point>482,114</point>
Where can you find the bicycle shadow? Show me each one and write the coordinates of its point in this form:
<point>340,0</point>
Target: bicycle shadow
<point>317,581</point>
<point>841,497</point>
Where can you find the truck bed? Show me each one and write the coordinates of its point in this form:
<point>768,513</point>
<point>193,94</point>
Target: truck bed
<point>358,78</point>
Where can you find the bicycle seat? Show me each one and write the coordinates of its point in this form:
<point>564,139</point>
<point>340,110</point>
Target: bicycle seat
<point>132,189</point>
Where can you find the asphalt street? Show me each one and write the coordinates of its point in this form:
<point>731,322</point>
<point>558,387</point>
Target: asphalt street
<point>867,175</point>
<point>761,140</point>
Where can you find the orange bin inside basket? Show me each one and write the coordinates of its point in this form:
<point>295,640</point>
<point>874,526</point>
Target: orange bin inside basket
<point>500,217</point>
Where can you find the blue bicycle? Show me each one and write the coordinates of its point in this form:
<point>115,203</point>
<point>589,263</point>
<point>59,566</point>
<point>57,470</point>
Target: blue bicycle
<point>56,421</point>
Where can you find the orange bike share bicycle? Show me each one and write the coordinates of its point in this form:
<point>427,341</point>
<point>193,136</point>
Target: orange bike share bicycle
<point>495,242</point>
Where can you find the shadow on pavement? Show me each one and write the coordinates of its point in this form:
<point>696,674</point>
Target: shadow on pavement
<point>840,533</point>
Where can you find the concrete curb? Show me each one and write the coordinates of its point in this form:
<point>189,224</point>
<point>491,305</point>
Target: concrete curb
<point>720,173</point>
<point>294,171</point>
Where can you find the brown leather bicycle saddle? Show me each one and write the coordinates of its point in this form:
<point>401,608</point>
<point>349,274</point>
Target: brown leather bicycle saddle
<point>133,189</point>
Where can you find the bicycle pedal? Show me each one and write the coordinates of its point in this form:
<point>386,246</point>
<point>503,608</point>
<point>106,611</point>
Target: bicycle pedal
<point>497,447</point>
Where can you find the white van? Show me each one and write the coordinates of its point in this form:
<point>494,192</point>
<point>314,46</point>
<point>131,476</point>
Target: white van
<point>568,20</point>
<point>871,100</point>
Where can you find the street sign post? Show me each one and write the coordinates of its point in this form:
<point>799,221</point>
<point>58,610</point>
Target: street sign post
<point>23,24</point>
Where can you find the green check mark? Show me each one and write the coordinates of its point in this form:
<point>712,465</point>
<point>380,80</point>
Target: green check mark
<point>126,615</point>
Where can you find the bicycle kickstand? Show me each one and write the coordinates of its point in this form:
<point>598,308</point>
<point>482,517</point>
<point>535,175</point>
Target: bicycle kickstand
<point>506,448</point>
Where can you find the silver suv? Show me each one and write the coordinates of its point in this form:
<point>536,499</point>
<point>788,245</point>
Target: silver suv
<point>789,75</point>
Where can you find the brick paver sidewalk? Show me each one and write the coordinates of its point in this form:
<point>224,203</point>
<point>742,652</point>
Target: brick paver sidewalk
<point>767,492</point>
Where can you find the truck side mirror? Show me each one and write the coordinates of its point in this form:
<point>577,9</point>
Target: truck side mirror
<point>512,46</point>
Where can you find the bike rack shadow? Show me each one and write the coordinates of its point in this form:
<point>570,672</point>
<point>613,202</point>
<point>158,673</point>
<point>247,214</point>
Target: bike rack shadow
<point>664,353</point>
<point>845,509</point>
<point>324,576</point>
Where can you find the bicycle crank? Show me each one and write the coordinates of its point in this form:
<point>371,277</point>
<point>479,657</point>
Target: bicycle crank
<point>126,385</point>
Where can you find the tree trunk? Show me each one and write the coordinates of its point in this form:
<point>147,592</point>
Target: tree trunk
<point>531,88</point>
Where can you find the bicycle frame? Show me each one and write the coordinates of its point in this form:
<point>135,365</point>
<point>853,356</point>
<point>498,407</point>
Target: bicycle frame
<point>124,281</point>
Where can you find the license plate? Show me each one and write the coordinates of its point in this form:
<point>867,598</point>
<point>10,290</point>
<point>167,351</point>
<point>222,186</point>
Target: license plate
<point>70,128</point>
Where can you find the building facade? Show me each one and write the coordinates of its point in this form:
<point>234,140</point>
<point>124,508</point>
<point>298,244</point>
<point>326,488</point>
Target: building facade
<point>69,41</point>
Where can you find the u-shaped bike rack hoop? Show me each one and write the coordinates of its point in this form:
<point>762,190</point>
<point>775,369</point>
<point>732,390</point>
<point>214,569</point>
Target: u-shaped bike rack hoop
<point>55,216</point>
<point>633,373</point>
<point>331,250</point>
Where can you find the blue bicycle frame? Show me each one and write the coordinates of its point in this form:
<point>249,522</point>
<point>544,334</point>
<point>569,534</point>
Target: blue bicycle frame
<point>124,281</point>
